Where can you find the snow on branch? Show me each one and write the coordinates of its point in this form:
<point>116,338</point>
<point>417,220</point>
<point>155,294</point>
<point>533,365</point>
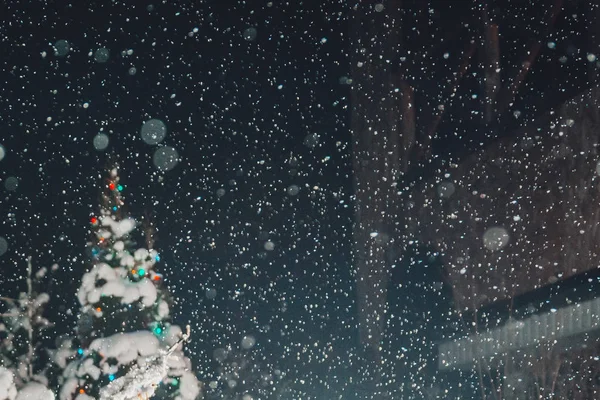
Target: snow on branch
<point>143,378</point>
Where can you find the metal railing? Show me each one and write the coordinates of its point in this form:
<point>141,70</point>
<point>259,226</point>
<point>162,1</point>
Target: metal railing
<point>558,324</point>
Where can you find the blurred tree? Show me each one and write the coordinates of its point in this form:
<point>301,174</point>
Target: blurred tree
<point>243,374</point>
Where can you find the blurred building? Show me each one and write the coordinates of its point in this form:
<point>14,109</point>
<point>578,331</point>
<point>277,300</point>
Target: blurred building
<point>519,234</point>
<point>475,134</point>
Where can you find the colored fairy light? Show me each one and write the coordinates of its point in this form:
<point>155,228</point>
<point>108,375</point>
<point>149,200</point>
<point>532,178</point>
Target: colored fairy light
<point>120,188</point>
<point>94,220</point>
<point>115,208</point>
<point>158,330</point>
<point>111,377</point>
<point>141,272</point>
<point>157,258</point>
<point>80,351</point>
<point>174,382</point>
<point>111,186</point>
<point>157,277</point>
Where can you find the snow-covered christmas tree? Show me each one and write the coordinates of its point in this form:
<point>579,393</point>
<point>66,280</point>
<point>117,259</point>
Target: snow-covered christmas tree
<point>22,356</point>
<point>124,323</point>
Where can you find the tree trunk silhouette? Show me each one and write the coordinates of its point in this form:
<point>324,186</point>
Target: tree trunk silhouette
<point>379,146</point>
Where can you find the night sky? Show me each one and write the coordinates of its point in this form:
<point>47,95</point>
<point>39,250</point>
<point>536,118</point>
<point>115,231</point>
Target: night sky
<point>257,209</point>
<point>254,223</point>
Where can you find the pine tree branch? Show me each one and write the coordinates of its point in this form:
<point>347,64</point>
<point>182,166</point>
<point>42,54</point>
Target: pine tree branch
<point>510,93</point>
<point>8,300</point>
<point>12,303</point>
<point>430,131</point>
<point>6,315</point>
<point>149,229</point>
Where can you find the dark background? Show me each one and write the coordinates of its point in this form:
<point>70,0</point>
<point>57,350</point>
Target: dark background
<point>234,130</point>
<point>249,117</point>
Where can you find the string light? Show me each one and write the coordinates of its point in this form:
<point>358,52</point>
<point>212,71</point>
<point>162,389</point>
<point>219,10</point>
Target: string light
<point>155,327</point>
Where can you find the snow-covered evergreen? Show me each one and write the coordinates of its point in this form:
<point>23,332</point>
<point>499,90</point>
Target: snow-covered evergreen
<point>22,324</point>
<point>124,322</point>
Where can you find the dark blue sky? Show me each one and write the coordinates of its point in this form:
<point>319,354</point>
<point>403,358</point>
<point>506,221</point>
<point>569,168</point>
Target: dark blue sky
<point>249,118</point>
<point>252,120</point>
